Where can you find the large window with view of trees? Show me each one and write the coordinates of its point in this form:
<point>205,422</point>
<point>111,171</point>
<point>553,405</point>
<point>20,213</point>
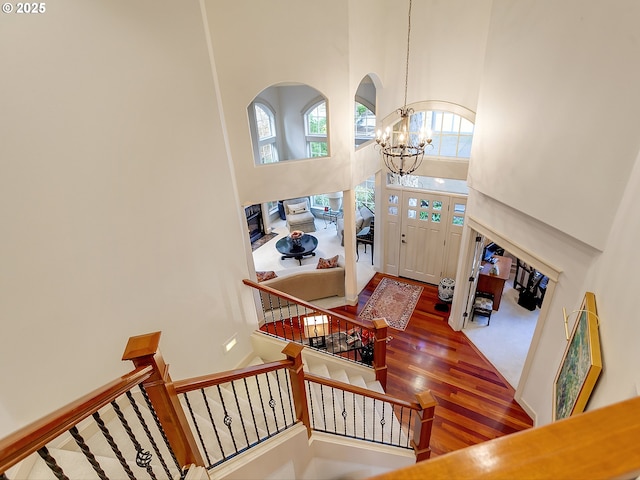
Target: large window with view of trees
<point>365,195</point>
<point>316,130</point>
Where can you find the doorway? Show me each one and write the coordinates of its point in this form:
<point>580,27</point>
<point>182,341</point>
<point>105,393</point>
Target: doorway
<point>471,260</point>
<point>504,338</point>
<point>424,232</point>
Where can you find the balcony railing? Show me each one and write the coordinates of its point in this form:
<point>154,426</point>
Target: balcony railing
<point>292,319</point>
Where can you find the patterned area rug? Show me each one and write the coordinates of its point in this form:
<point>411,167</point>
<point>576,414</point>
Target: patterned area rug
<point>392,300</point>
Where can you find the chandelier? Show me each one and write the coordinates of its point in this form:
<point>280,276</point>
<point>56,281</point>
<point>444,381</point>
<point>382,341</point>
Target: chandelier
<point>404,155</point>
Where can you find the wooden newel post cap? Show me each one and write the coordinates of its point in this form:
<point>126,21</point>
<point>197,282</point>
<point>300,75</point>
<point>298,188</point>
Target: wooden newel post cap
<point>426,399</point>
<point>379,323</point>
<point>142,346</point>
<point>292,350</point>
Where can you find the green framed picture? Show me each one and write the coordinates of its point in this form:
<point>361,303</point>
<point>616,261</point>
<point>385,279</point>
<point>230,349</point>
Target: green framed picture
<point>581,363</point>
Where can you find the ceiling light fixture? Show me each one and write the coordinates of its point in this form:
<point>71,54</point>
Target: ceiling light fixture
<point>404,155</point>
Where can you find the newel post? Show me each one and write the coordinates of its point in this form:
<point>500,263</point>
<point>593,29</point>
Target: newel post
<point>293,351</point>
<point>143,350</point>
<point>423,426</point>
<point>380,351</point>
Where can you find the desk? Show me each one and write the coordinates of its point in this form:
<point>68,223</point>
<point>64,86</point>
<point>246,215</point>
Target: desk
<point>494,283</point>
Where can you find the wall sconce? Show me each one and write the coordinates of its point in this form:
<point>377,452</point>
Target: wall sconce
<point>315,329</point>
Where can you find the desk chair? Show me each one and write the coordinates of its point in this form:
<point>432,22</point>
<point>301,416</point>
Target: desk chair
<point>482,305</point>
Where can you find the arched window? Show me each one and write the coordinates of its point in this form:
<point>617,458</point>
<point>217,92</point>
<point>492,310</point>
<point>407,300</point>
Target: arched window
<point>365,124</point>
<point>266,128</point>
<point>315,120</point>
<point>452,134</point>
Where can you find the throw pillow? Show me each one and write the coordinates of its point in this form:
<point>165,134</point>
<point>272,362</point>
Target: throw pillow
<point>263,276</point>
<point>328,262</point>
<point>295,208</point>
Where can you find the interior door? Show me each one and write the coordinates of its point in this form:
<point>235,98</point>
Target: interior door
<point>425,217</point>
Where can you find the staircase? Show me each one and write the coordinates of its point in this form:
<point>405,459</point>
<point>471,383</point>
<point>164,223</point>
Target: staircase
<point>229,418</point>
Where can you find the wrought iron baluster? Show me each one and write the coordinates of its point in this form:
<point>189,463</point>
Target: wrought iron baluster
<point>87,453</point>
<point>213,422</point>
<point>310,395</point>
<point>197,427</point>
<point>52,464</point>
<point>401,418</point>
<point>235,396</point>
<point>364,416</point>
<point>287,382</point>
<point>227,418</point>
<point>382,423</point>
<point>253,416</point>
<point>163,434</point>
<point>143,458</point>
<point>324,416</point>
<point>264,410</point>
<point>284,414</point>
<point>3,476</point>
<point>333,403</point>
<point>272,404</point>
<point>373,421</point>
<point>114,446</point>
<point>353,400</point>
<point>344,411</point>
<point>145,427</point>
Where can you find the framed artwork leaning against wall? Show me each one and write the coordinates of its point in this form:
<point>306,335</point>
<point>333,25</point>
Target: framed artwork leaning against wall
<point>581,363</point>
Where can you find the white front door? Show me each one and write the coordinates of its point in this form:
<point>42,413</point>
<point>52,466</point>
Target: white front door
<point>425,217</point>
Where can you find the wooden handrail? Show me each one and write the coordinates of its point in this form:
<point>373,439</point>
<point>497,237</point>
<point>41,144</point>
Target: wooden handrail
<point>205,381</point>
<point>310,306</point>
<point>601,444</point>
<point>379,327</point>
<point>328,382</point>
<point>34,436</point>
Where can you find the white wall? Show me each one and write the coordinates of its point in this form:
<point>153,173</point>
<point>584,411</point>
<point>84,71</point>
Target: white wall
<point>557,124</point>
<point>116,201</point>
<point>551,168</point>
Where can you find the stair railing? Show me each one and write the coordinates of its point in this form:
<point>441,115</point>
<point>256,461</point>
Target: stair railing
<point>179,421</point>
<point>296,320</point>
<point>143,454</point>
<point>355,412</point>
<point>255,402</point>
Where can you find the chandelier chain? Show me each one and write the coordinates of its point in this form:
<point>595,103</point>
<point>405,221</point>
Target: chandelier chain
<point>406,71</point>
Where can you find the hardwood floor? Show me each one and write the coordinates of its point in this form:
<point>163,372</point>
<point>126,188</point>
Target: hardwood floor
<point>475,403</point>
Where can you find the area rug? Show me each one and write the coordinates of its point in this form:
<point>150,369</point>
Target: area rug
<point>392,300</point>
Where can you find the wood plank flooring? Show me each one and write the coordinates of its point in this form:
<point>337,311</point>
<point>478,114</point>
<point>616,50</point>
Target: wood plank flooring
<point>475,403</point>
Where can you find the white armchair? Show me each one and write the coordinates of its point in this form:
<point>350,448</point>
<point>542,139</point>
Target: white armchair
<point>298,214</point>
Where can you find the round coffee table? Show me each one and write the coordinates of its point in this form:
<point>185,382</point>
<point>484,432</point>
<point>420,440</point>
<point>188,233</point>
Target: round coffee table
<point>308,243</point>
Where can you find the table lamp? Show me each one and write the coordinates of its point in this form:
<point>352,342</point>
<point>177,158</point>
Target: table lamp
<point>315,329</point>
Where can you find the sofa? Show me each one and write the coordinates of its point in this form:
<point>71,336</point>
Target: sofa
<point>306,282</point>
<point>364,217</point>
<point>298,215</point>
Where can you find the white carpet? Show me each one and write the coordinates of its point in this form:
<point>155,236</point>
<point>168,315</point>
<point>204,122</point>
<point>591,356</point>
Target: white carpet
<point>505,342</point>
<point>267,257</point>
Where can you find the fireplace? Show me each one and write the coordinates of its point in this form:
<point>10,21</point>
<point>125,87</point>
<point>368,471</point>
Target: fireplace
<point>254,222</point>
